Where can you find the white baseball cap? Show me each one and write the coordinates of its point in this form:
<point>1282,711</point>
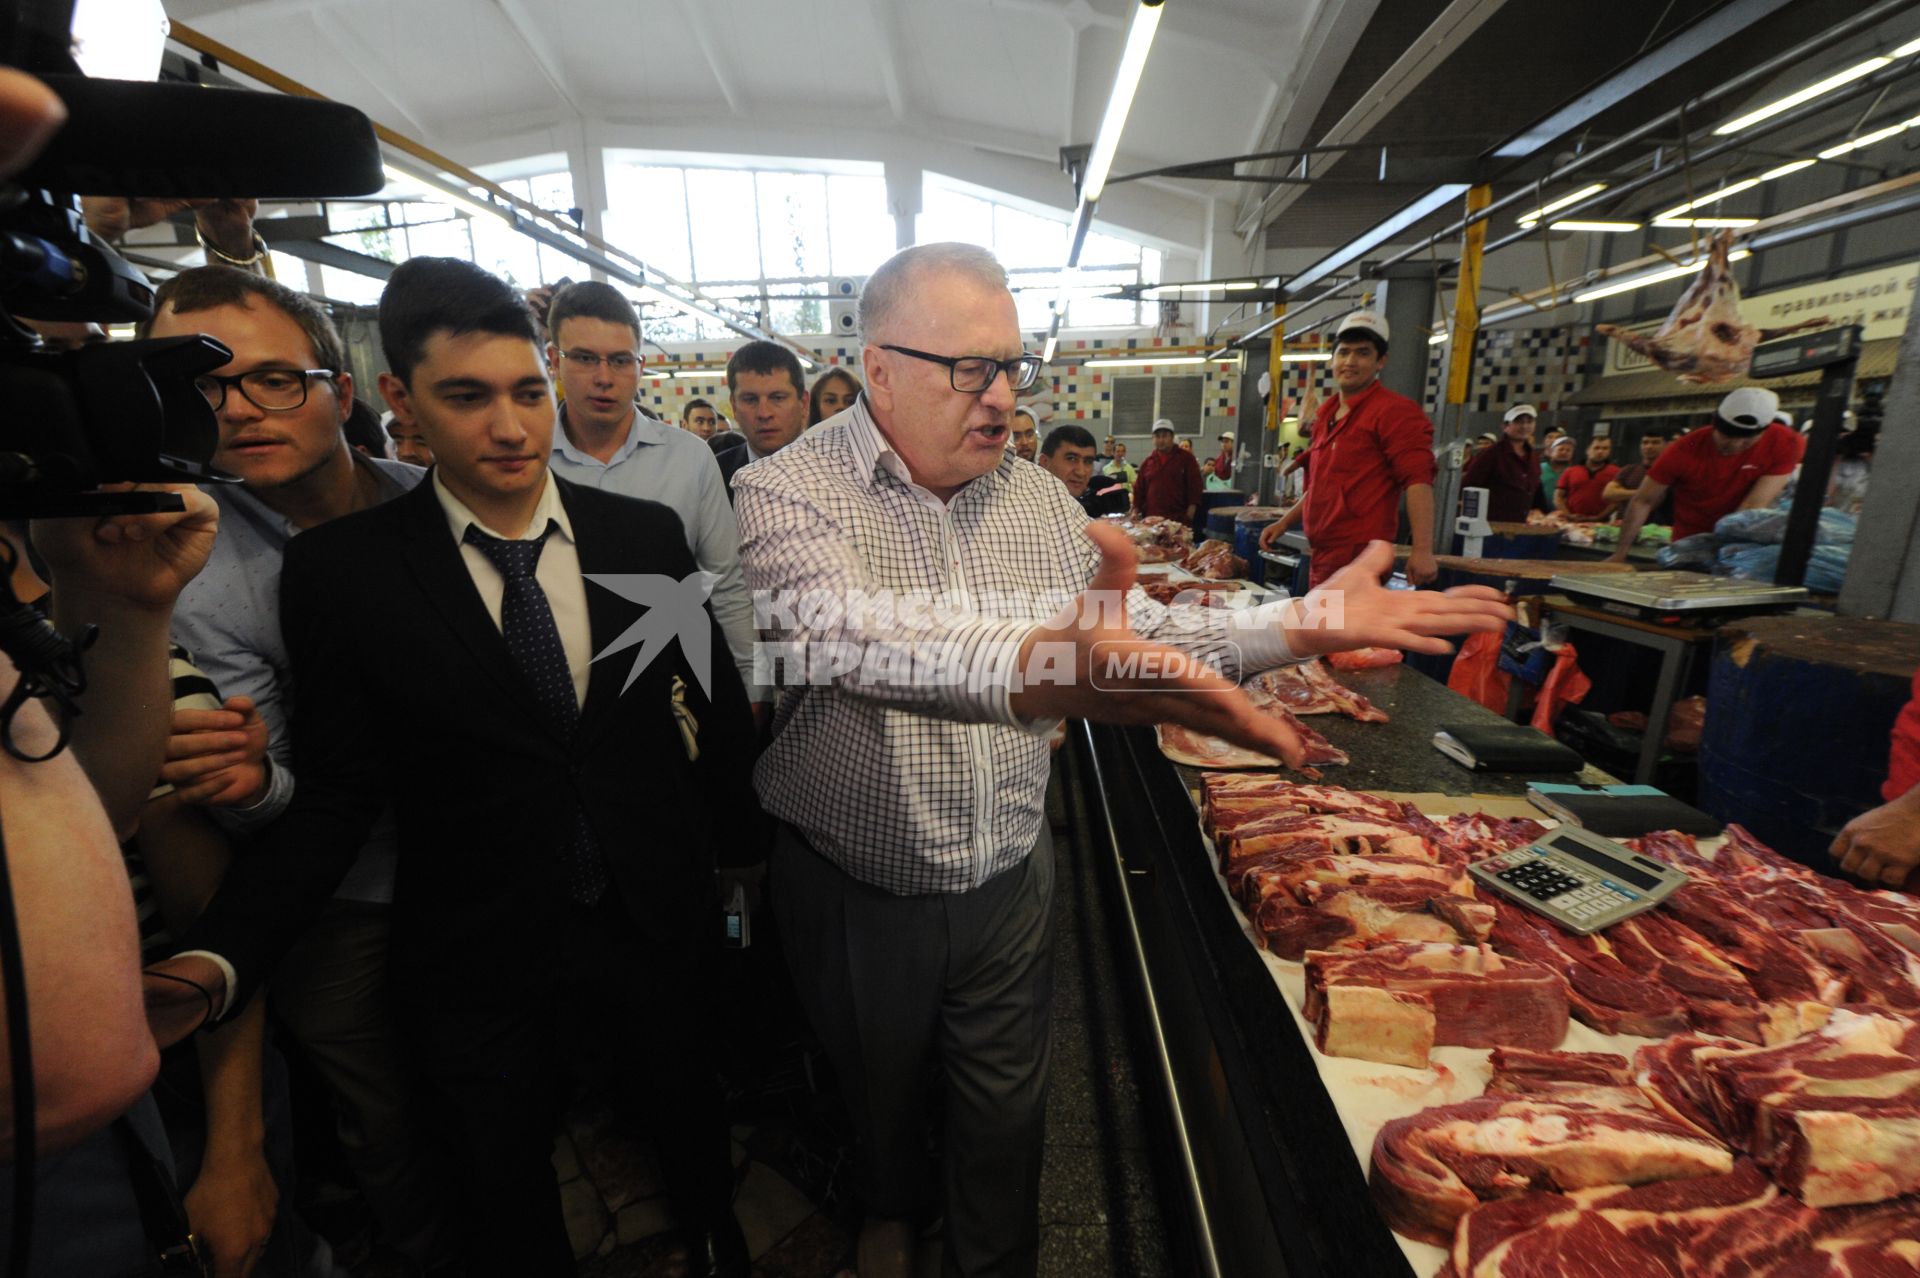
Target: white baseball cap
<point>1366,321</point>
<point>1226,434</point>
<point>1749,409</point>
<point>1165,423</point>
<point>1520,410</point>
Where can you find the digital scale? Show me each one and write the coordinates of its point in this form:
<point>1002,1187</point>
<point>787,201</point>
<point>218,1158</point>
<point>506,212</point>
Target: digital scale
<point>1579,880</point>
<point>1694,596</point>
<point>1471,524</point>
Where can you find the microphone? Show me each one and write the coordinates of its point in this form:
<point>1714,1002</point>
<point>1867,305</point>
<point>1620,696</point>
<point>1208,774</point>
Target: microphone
<point>189,141</point>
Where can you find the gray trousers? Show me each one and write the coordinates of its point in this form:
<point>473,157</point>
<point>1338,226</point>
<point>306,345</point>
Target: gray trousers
<point>331,994</point>
<point>892,984</point>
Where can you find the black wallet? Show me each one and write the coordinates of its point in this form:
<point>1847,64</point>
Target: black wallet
<point>1505,747</point>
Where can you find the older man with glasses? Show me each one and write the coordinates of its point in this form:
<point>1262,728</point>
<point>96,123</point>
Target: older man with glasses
<point>938,607</point>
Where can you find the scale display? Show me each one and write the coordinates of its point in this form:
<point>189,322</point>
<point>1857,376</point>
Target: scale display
<point>1579,880</point>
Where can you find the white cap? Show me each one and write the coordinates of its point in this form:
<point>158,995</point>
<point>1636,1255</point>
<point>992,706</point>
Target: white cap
<point>1783,418</point>
<point>1165,423</point>
<point>1371,321</point>
<point>1226,434</point>
<point>1748,409</point>
<point>1520,410</point>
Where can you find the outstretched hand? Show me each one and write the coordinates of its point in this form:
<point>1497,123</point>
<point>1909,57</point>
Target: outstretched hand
<point>139,560</point>
<point>1353,610</point>
<point>1087,663</point>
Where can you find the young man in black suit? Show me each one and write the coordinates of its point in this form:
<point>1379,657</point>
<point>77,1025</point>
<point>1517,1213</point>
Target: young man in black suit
<point>557,836</point>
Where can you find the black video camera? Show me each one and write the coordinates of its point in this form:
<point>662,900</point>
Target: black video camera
<point>74,419</point>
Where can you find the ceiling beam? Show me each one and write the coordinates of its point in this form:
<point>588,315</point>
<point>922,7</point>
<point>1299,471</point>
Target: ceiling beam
<point>545,58</point>
<point>1215,34</point>
<point>893,57</point>
<point>1072,81</point>
<point>1338,27</point>
<point>1429,51</point>
<point>376,71</point>
<point>697,16</point>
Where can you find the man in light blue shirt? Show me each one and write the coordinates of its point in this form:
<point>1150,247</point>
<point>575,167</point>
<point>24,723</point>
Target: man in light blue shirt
<point>605,443</point>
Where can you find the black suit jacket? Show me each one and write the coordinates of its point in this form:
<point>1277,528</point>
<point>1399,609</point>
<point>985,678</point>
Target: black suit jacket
<point>405,691</point>
<point>731,456</point>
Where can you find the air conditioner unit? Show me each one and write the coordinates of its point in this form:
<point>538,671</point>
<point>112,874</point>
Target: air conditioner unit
<point>843,304</point>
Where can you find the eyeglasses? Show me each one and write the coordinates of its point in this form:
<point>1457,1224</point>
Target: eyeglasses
<point>277,390</point>
<point>973,374</point>
<point>619,362</point>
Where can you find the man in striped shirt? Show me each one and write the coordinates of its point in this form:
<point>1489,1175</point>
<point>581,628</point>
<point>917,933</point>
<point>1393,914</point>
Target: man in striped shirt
<point>936,608</point>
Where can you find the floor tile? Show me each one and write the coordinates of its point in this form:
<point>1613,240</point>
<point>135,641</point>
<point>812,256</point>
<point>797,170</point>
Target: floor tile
<point>768,1208</point>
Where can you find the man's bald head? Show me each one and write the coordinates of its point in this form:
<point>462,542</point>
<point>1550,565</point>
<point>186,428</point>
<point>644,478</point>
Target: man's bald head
<point>890,291</point>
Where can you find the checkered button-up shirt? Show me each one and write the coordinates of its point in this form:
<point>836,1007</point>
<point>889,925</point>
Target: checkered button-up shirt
<point>894,620</point>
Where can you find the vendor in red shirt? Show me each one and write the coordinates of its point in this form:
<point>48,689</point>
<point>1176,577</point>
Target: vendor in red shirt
<point>1583,489</point>
<point>1740,462</point>
<point>1509,470</point>
<point>1169,484</point>
<point>1369,446</point>
<point>1883,846</point>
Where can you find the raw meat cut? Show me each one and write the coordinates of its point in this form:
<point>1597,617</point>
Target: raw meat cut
<point>1307,688</point>
<point>1479,999</point>
<point>1833,1115</point>
<point>1295,873</point>
<point>1231,796</point>
<point>1430,1169</point>
<point>1196,594</point>
<point>1736,1225</point>
<point>1369,913</point>
<point>1215,561</point>
<point>1704,338</point>
<point>1521,1070</point>
<point>1603,992</point>
<point>1155,540</point>
<point>1368,1023</point>
<point>1198,750</point>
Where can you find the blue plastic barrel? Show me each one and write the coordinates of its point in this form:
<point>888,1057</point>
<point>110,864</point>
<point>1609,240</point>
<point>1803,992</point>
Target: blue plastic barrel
<point>1218,521</point>
<point>1247,527</point>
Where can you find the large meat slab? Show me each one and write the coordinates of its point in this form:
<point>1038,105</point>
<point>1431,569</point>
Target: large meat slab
<point>1478,998</point>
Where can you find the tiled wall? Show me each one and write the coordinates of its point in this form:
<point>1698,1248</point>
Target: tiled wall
<point>1542,365</point>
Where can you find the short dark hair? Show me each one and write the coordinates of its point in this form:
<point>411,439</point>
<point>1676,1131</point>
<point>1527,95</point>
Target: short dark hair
<point>429,295</point>
<point>1078,436</point>
<point>1378,342</point>
<point>591,299</point>
<point>766,357</point>
<point>1656,433</point>
<point>202,288</point>
<point>363,430</point>
<point>697,403</point>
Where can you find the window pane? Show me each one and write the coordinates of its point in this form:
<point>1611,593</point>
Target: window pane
<point>388,246</point>
<point>798,308</point>
<point>506,252</point>
<point>440,239</point>
<point>862,225</point>
<point>1149,266</point>
<point>647,216</point>
<point>351,217</point>
<point>552,191</point>
<point>1089,309</point>
<point>949,215</point>
<point>726,240</point>
<point>793,224</point>
<point>1033,294</point>
<point>1021,239</point>
<point>1106,250</point>
<point>349,286</point>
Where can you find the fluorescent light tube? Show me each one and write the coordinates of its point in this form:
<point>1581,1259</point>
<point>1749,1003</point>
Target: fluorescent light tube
<point>1807,94</point>
<point>1866,140</point>
<point>1053,344</point>
<point>1562,202</point>
<point>1577,225</point>
<point>1785,169</point>
<point>1305,357</point>
<point>1713,197</point>
<point>1715,222</point>
<point>1126,81</point>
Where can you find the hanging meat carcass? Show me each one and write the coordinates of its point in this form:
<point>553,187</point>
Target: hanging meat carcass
<point>1704,339</point>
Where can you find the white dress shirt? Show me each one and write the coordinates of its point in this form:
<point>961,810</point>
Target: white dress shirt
<point>558,573</point>
<point>917,782</point>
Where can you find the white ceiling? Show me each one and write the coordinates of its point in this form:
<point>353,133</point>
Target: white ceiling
<point>991,80</point>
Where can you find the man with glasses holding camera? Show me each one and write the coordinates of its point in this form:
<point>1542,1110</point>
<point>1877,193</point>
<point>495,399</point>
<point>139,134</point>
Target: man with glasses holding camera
<point>605,443</point>
<point>279,406</point>
<point>913,873</point>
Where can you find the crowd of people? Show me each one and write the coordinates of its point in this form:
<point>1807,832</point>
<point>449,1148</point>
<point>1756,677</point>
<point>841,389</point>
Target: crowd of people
<point>433,773</point>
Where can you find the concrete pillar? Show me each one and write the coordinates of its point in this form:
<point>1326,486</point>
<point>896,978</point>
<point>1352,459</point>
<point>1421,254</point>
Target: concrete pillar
<point>1405,297</point>
<point>1883,573</point>
<point>903,199</point>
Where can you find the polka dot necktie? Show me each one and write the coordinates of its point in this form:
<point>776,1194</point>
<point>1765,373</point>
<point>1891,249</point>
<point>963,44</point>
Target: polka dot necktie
<point>533,639</point>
